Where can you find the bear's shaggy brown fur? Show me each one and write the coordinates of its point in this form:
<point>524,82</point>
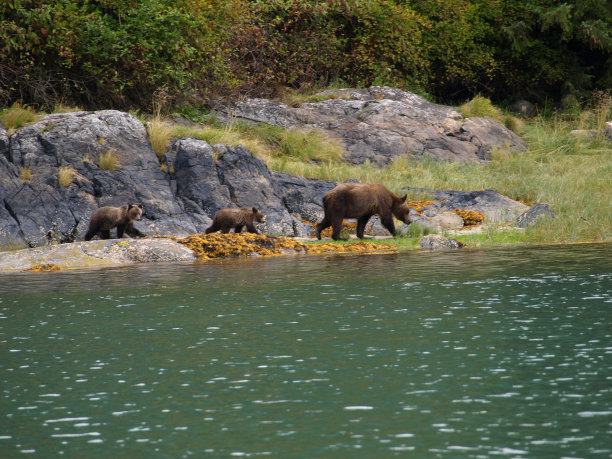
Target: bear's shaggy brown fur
<point>361,201</point>
<point>226,219</point>
<point>106,218</point>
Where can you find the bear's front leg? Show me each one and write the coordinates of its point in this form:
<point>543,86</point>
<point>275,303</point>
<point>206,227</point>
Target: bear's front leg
<point>131,231</point>
<point>387,222</point>
<point>337,228</point>
<point>321,226</point>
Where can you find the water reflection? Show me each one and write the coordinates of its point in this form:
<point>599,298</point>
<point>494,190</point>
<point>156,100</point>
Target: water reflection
<point>462,354</point>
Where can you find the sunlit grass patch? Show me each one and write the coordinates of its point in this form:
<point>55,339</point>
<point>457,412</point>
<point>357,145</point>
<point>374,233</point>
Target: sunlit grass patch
<point>269,143</point>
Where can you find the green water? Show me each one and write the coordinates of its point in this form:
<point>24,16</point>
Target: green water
<point>473,353</point>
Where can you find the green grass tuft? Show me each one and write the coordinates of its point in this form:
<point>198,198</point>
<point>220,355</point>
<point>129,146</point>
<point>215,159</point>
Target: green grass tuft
<point>17,116</point>
<point>480,107</point>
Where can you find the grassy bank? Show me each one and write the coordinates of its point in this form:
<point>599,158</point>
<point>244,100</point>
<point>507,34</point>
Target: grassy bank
<point>569,172</point>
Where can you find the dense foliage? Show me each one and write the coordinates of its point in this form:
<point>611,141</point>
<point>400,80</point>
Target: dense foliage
<point>129,53</point>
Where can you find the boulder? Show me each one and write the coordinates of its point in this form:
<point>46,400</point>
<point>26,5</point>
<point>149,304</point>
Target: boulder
<point>534,215</point>
<point>437,242</point>
<point>380,123</point>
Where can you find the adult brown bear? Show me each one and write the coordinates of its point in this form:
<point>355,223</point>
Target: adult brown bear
<point>226,219</point>
<point>106,218</point>
<point>361,201</point>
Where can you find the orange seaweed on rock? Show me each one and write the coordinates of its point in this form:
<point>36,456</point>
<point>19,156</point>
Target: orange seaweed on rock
<point>329,247</point>
<point>43,267</point>
<point>419,205</point>
<point>228,245</point>
<point>470,217</point>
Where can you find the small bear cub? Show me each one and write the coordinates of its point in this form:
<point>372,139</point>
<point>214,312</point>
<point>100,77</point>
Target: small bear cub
<point>106,218</point>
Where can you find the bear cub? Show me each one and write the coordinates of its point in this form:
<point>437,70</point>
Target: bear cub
<point>106,218</point>
<point>226,219</point>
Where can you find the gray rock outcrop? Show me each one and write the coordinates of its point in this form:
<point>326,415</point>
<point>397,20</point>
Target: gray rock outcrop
<point>380,123</point>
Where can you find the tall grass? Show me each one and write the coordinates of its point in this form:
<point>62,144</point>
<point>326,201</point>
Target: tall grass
<point>269,143</point>
<point>160,133</point>
<point>16,116</point>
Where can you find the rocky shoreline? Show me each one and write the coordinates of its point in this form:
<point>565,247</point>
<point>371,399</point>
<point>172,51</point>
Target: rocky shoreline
<point>181,190</point>
<point>198,247</point>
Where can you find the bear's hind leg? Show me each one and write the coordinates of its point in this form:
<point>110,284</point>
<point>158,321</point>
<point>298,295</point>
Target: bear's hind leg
<point>337,228</point>
<point>361,224</point>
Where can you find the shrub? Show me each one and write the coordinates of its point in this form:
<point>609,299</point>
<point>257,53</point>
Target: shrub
<point>480,107</point>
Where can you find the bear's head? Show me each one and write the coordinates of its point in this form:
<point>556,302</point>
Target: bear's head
<point>134,211</point>
<point>401,210</point>
<point>258,216</point>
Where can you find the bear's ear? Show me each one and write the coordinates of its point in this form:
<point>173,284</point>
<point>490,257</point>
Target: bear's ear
<point>130,206</point>
<point>403,198</point>
<point>255,210</point>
